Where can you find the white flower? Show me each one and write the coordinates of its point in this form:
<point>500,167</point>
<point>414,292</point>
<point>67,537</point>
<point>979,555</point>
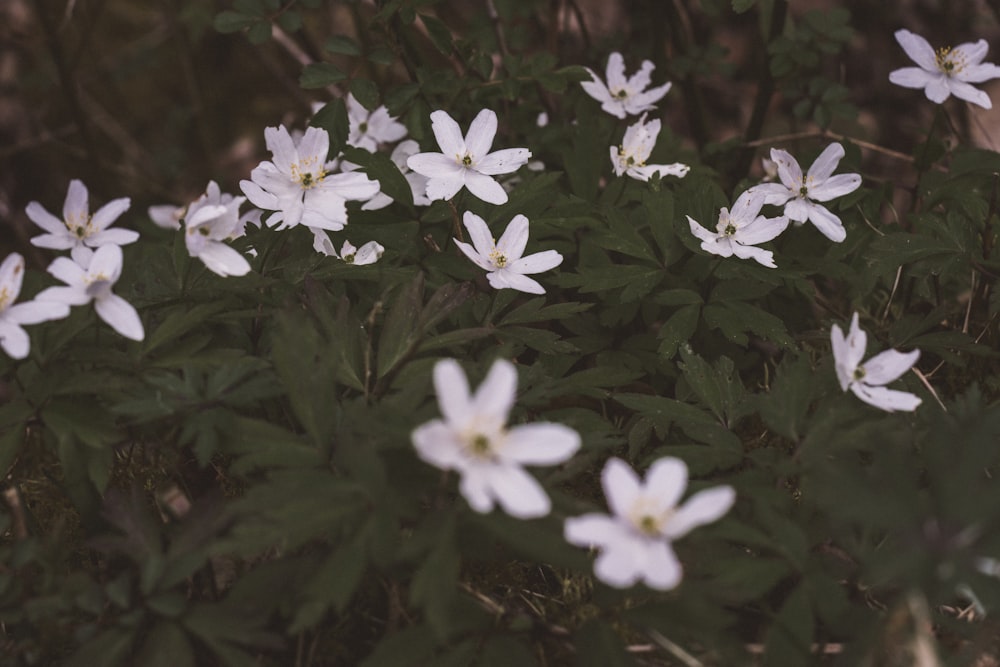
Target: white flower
<point>369,253</point>
<point>622,97</point>
<point>630,158</point>
<point>78,229</point>
<point>14,339</point>
<point>739,230</point>
<point>418,182</point>
<point>166,216</point>
<point>93,282</point>
<point>473,438</point>
<point>799,193</point>
<point>635,540</point>
<point>866,380</point>
<point>211,219</point>
<point>368,129</point>
<point>502,259</point>
<point>947,71</point>
<point>298,185</point>
<point>466,161</point>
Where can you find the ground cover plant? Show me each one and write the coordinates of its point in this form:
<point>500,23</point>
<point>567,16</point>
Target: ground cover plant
<point>417,332</point>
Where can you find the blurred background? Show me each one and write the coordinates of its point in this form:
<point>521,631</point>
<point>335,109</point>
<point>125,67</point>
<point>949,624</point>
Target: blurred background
<point>144,98</point>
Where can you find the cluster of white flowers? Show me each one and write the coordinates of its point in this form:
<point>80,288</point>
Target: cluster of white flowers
<point>91,270</point>
<point>473,439</point>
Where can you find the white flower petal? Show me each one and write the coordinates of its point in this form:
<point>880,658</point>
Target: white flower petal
<point>50,223</point>
<point>448,135</point>
<point>621,486</point>
<point>542,444</point>
<point>888,366</point>
<point>481,237</point>
<point>507,279</point>
<point>537,262</point>
<point>452,390</point>
<point>886,399</point>
<point>827,223</point>
<point>481,133</point>
<point>484,187</point>
<point>223,260</point>
<point>661,571</point>
<point>912,77</point>
<point>495,396</point>
<point>826,163</point>
<point>110,212</point>
<point>514,239</point>
<point>437,445</point>
<point>503,161</point>
<point>519,494</point>
<point>35,312</point>
<point>14,340</point>
<point>665,482</point>
<point>119,315</point>
<point>593,530</point>
<point>917,48</point>
<point>701,508</point>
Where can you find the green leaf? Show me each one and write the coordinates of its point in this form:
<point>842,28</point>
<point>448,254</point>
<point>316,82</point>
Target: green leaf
<point>677,330</point>
<point>741,6</point>
<point>320,75</point>
<point>259,32</point>
<point>598,645</point>
<point>166,645</point>
<point>231,21</point>
<point>397,333</point>
<point>108,649</point>
<point>413,645</point>
<point>366,92</point>
<point>342,44</point>
<point>332,585</point>
<point>438,32</point>
<point>786,406</point>
<point>716,385</point>
<point>791,634</point>
<point>434,585</point>
<point>334,119</point>
<point>379,167</point>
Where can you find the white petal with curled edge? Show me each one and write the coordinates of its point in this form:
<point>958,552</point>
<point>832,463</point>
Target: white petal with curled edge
<point>827,223</point>
<point>480,235</point>
<point>826,163</point>
<point>969,93</point>
<point>888,366</point>
<point>542,444</point>
<point>480,260</point>
<point>120,316</point>
<point>886,399</point>
<point>703,507</point>
<point>514,239</point>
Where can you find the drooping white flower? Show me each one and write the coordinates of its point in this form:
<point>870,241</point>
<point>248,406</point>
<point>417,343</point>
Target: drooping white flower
<point>418,182</point>
<point>297,184</point>
<point>466,161</point>
<point>473,439</point>
<point>947,71</point>
<point>638,142</point>
<point>867,379</point>
<point>13,338</point>
<point>210,220</point>
<point>93,282</point>
<point>368,253</point>
<point>503,259</point>
<point>625,96</point>
<point>78,229</point>
<point>739,230</point>
<point>635,539</point>
<point>368,129</point>
<point>799,193</point>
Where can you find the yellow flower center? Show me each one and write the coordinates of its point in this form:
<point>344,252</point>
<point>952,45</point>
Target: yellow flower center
<point>730,229</point>
<point>5,298</point>
<point>79,226</point>
<point>306,175</point>
<point>467,160</point>
<point>348,258</point>
<point>859,373</point>
<point>619,94</point>
<point>498,258</point>
<point>949,61</point>
<point>649,519</point>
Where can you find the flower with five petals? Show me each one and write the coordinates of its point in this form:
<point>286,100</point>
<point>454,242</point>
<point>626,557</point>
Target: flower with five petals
<point>740,229</point>
<point>79,231</point>
<point>635,540</point>
<point>466,161</point>
<point>473,438</point>
<point>503,259</point>
<point>93,281</point>
<point>867,380</point>
<point>13,338</point>
<point>624,96</point>
<point>947,71</point>
<point>800,193</point>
